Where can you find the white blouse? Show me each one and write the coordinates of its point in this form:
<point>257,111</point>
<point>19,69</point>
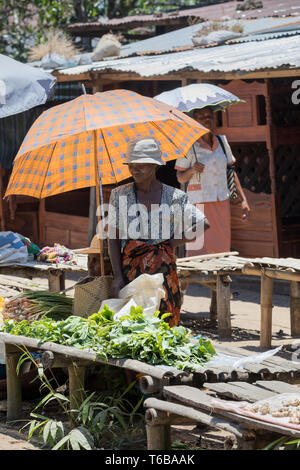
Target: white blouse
<point>174,215</point>
<point>211,184</point>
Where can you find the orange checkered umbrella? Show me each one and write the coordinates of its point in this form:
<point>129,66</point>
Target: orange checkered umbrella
<point>83,141</point>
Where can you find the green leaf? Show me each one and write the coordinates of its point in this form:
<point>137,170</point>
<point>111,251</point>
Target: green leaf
<point>275,444</point>
<point>81,438</point>
<point>40,371</point>
<point>60,444</point>
<point>46,431</point>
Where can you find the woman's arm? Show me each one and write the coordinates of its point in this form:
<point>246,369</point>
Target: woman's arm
<point>185,176</point>
<point>244,203</point>
<point>175,242</point>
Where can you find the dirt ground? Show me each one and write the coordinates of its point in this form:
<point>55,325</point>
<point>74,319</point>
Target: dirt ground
<point>245,317</point>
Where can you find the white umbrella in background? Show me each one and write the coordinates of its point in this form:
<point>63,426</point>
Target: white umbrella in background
<point>198,95</point>
<point>22,86</point>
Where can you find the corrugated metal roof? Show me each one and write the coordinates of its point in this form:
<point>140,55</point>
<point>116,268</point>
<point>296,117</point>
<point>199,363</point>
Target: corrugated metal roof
<point>242,57</point>
<point>263,37</point>
<point>183,37</point>
<point>226,10</point>
<point>278,8</point>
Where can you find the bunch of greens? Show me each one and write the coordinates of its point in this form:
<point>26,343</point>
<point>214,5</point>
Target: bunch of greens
<point>136,336</point>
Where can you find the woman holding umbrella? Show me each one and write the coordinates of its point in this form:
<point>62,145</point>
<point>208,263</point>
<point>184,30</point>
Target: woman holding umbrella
<point>144,225</point>
<point>204,169</point>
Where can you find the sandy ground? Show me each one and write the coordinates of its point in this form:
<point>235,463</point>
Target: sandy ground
<point>245,317</point>
<point>245,312</point>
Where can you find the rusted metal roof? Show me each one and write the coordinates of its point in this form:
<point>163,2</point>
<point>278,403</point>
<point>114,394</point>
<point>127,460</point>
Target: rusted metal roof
<point>220,11</point>
<point>181,39</point>
<point>274,53</point>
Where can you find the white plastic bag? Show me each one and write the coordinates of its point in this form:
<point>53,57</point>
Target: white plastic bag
<point>240,362</point>
<point>12,249</point>
<point>146,291</point>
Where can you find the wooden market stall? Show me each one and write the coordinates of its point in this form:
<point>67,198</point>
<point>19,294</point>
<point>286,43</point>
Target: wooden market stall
<point>263,135</point>
<point>264,138</point>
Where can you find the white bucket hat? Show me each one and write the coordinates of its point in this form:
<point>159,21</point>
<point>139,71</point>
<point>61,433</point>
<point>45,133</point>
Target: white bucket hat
<point>143,150</point>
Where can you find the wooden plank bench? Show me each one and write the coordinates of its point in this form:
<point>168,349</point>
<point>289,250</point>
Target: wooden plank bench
<point>54,272</point>
<point>187,405</point>
<point>215,271</point>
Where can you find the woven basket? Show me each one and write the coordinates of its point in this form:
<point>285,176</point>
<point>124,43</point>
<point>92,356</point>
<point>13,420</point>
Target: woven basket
<point>89,295</point>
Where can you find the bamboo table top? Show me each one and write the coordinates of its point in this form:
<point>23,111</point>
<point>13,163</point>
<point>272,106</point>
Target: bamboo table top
<point>90,357</point>
<point>272,368</point>
<point>231,263</point>
<point>40,267</point>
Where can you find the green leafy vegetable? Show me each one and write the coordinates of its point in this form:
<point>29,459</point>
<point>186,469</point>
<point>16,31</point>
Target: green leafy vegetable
<point>136,336</point>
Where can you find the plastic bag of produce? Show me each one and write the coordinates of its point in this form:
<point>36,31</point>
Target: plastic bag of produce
<point>12,249</point>
<point>146,290</point>
<point>240,363</point>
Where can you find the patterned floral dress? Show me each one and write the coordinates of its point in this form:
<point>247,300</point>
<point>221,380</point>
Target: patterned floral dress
<point>150,251</point>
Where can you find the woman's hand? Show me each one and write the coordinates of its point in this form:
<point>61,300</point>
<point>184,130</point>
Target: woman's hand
<point>185,175</point>
<point>245,210</point>
<point>117,284</point>
<point>198,167</point>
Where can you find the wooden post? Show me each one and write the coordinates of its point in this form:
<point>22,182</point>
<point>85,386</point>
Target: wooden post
<point>13,384</point>
<point>158,435</point>
<point>223,306</point>
<point>295,308</point>
<point>213,305</point>
<point>76,387</point>
<point>276,215</point>
<point>62,281</point>
<point>266,293</point>
<point>54,282</point>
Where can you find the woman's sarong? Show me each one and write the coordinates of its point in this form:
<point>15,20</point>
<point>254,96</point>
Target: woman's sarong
<point>142,258</point>
<point>217,239</point>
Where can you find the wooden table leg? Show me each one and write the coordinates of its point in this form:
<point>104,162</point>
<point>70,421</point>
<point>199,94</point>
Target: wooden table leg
<point>295,307</point>
<point>266,306</point>
<point>54,282</point>
<point>13,384</point>
<point>213,306</point>
<point>76,387</point>
<point>223,306</point>
<point>62,281</point>
<point>158,435</point>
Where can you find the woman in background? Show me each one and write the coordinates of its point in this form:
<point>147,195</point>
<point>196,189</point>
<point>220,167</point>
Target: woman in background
<point>204,169</point>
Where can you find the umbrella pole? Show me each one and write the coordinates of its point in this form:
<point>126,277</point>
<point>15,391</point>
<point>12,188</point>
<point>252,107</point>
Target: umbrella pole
<point>97,184</point>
